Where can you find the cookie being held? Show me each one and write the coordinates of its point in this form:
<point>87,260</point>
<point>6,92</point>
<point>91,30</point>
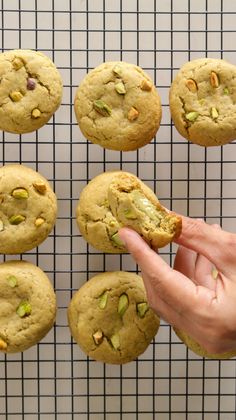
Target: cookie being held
<point>203,101</point>
<point>28,209</point>
<point>118,107</point>
<point>28,306</point>
<point>110,319</point>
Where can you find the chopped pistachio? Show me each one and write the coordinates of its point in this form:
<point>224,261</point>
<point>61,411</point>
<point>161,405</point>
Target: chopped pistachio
<point>133,114</point>
<point>120,88</point>
<point>130,214</point>
<point>17,63</point>
<point>202,101</point>
<point>24,309</point>
<point>1,226</point>
<point>116,239</point>
<point>12,281</point>
<point>123,304</point>
<point>102,108</point>
<point>214,113</point>
<point>142,309</point>
<point>39,221</point>
<point>117,70</point>
<point>16,96</point>
<point>35,113</point>
<point>191,116</point>
<point>214,80</point>
<point>115,341</point>
<point>20,193</point>
<point>226,91</point>
<point>98,337</point>
<point>16,219</point>
<point>3,344</point>
<point>103,300</point>
<point>40,187</point>
<point>146,85</point>
<point>191,85</point>
<point>214,273</point>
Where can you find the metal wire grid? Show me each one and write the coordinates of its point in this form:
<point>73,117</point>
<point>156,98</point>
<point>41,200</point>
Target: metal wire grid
<point>54,380</point>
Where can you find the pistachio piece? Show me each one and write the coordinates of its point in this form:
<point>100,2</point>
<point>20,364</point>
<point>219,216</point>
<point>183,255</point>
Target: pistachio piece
<point>120,88</point>
<point>102,108</point>
<point>191,116</point>
<point>98,337</point>
<point>214,113</point>
<point>16,96</point>
<point>142,308</point>
<point>144,204</point>
<point>39,221</point>
<point>202,101</point>
<point>103,300</point>
<point>1,226</point>
<point>3,344</point>
<point>12,281</point>
<point>35,113</point>
<point>191,85</point>
<point>40,187</point>
<point>123,304</point>
<point>16,219</point>
<point>20,193</point>
<point>214,273</point>
<point>130,214</point>
<point>146,85</point>
<point>24,309</point>
<point>31,85</point>
<point>214,79</point>
<point>116,239</point>
<point>17,63</point>
<point>117,69</point>
<point>115,341</point>
<point>133,114</point>
<point>226,91</point>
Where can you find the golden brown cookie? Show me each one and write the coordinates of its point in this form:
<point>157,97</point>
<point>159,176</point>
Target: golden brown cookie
<point>110,319</point>
<point>203,101</point>
<point>118,107</point>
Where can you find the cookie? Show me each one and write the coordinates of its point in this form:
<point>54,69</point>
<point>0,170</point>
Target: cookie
<point>30,90</point>
<point>28,306</point>
<point>110,319</point>
<point>28,209</point>
<point>115,199</point>
<point>199,350</point>
<point>118,107</point>
<point>203,101</point>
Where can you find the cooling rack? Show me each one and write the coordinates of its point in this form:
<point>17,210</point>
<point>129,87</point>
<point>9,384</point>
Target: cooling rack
<point>55,380</point>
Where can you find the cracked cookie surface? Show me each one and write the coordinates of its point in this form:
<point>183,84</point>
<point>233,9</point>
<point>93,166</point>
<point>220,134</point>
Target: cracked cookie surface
<point>27,305</point>
<point>112,329</point>
<point>203,101</point>
<point>28,209</point>
<point>30,90</point>
<point>118,107</point>
<point>103,209</point>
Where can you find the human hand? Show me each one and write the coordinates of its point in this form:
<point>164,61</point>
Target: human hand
<point>188,296</point>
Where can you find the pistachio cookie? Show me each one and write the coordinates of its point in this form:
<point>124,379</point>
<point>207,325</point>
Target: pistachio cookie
<point>199,350</point>
<point>203,101</point>
<point>28,209</point>
<point>118,107</point>
<point>115,199</point>
<point>110,319</point>
<point>28,305</point>
<point>30,90</point>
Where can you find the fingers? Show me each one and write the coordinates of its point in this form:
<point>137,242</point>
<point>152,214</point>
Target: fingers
<point>185,261</point>
<point>203,272</point>
<point>216,245</point>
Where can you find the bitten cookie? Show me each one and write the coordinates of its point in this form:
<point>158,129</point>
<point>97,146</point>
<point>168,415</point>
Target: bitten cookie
<point>115,199</point>
<point>27,306</point>
<point>203,101</point>
<point>28,209</point>
<point>110,319</point>
<point>118,107</point>
<point>199,350</point>
<point>30,90</point>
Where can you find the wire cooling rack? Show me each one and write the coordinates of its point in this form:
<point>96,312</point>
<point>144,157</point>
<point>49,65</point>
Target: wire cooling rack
<point>55,380</point>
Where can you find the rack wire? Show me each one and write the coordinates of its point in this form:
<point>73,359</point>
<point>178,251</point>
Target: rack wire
<point>54,379</point>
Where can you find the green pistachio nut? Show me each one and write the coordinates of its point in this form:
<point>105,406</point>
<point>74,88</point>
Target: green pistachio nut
<point>120,88</point>
<point>226,91</point>
<point>20,193</point>
<point>102,108</point>
<point>123,304</point>
<point>130,214</point>
<point>142,309</point>
<point>214,113</point>
<point>12,281</point>
<point>103,300</point>
<point>115,341</point>
<point>16,219</point>
<point>117,69</point>
<point>116,239</point>
<point>24,309</point>
<point>192,116</point>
